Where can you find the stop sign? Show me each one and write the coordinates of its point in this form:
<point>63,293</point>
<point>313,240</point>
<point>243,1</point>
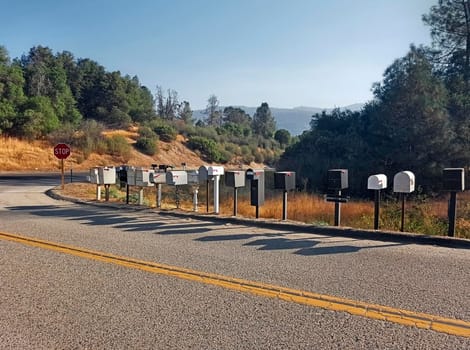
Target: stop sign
<point>61,150</point>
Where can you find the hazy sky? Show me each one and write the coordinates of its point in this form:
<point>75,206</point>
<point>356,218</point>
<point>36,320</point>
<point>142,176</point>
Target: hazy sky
<point>319,53</point>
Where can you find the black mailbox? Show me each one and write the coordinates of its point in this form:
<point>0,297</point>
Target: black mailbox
<point>234,178</point>
<point>254,174</point>
<point>121,173</point>
<point>337,179</point>
<point>284,180</point>
<point>257,192</point>
<point>454,179</point>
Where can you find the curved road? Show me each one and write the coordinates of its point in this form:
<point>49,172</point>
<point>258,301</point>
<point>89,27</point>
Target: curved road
<point>55,299</point>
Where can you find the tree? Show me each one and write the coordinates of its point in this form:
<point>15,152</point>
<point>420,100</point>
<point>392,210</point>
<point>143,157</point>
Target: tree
<point>450,30</point>
<point>167,107</point>
<point>283,137</point>
<point>264,123</point>
<point>214,116</point>
<point>408,125</point>
<point>186,113</point>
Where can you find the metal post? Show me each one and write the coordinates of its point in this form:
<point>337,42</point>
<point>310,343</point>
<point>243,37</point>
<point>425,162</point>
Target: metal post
<point>177,197</point>
<point>235,201</point>
<point>216,194</point>
<point>141,196</point>
<point>127,193</point>
<point>207,196</point>
<point>106,193</point>
<point>159,195</point>
<point>71,175</point>
<point>195,199</point>
<point>338,211</point>
<point>62,172</point>
<point>284,206</point>
<point>452,213</point>
<point>257,211</point>
<point>402,227</point>
<point>376,209</point>
<point>98,192</point>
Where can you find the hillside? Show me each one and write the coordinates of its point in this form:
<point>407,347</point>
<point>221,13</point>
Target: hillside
<point>19,155</point>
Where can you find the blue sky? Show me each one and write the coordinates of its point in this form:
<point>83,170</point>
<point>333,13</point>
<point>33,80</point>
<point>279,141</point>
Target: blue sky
<point>285,52</point>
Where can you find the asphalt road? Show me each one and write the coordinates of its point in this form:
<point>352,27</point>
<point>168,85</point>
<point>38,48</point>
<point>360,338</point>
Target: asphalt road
<point>54,300</point>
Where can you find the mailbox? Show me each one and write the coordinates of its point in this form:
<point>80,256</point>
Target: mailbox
<point>142,177</point>
<point>203,172</point>
<point>94,177</point>
<point>404,182</point>
<point>177,177</point>
<point>377,182</point>
<point>131,172</point>
<point>215,171</point>
<point>107,175</point>
<point>254,174</point>
<point>257,192</point>
<point>121,173</point>
<point>193,177</point>
<point>454,179</point>
<point>235,178</point>
<point>284,180</point>
<point>158,177</point>
<point>337,179</point>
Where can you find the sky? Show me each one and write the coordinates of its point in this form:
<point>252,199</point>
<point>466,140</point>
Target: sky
<point>289,53</point>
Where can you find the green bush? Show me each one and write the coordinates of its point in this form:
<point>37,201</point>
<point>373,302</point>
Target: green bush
<point>146,145</point>
<point>207,147</point>
<point>117,145</point>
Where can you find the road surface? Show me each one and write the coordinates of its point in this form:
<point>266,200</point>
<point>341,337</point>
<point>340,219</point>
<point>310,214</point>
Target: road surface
<point>75,276</point>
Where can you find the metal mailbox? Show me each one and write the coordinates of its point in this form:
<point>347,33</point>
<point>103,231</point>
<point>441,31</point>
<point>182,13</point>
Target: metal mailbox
<point>94,177</point>
<point>131,176</point>
<point>377,182</point>
<point>337,179</point>
<point>235,178</point>
<point>404,182</point>
<point>158,177</point>
<point>107,175</point>
<point>193,177</point>
<point>254,174</point>
<point>177,177</point>
<point>454,179</point>
<point>284,180</point>
<point>256,177</point>
<point>142,177</point>
<point>215,171</point>
<point>203,172</point>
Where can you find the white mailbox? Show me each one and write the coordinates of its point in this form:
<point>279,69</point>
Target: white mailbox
<point>203,171</point>
<point>94,177</point>
<point>107,175</point>
<point>404,182</point>
<point>177,177</point>
<point>193,177</point>
<point>158,177</point>
<point>142,177</point>
<point>377,182</point>
<point>215,171</point>
<point>131,172</point>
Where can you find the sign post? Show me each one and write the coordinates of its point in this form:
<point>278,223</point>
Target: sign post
<point>62,151</point>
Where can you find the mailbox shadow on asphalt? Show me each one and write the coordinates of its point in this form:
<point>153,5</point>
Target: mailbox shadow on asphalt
<point>130,224</point>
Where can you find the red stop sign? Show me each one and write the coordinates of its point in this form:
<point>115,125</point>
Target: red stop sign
<point>61,150</point>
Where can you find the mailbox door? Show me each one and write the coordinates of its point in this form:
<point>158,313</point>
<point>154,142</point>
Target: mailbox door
<point>454,179</point>
<point>257,192</point>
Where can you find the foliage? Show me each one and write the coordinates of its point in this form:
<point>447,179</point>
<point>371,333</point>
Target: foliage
<point>147,145</point>
<point>117,145</point>
<point>209,148</point>
<point>282,136</point>
<point>264,123</point>
<point>165,131</point>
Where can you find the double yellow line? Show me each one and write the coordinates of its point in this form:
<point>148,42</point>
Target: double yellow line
<point>373,311</point>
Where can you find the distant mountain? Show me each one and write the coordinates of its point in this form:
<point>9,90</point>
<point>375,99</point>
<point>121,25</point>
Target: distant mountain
<point>296,120</point>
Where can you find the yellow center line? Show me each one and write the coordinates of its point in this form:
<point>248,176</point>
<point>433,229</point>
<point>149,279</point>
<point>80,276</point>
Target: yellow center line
<point>372,311</point>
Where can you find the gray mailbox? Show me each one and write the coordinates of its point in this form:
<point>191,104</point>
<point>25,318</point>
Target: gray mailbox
<point>142,177</point>
<point>158,177</point>
<point>235,178</point>
<point>193,177</point>
<point>284,180</point>
<point>107,175</point>
<point>377,182</point>
<point>203,173</point>
<point>454,179</point>
<point>337,179</point>
<point>131,176</point>
<point>256,177</point>
<point>177,177</point>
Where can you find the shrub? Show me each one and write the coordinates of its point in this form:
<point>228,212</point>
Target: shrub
<point>207,147</point>
<point>117,146</point>
<point>147,145</point>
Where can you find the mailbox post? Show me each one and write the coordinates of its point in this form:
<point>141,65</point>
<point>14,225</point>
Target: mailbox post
<point>95,179</point>
<point>256,177</point>
<point>142,179</point>
<point>235,179</point>
<point>158,177</point>
<point>337,181</point>
<point>454,181</point>
<point>130,181</point>
<point>284,180</point>
<point>376,183</point>
<point>193,180</point>
<point>215,172</point>
<point>403,183</point>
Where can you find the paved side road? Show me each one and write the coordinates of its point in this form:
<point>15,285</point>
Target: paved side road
<point>53,300</point>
